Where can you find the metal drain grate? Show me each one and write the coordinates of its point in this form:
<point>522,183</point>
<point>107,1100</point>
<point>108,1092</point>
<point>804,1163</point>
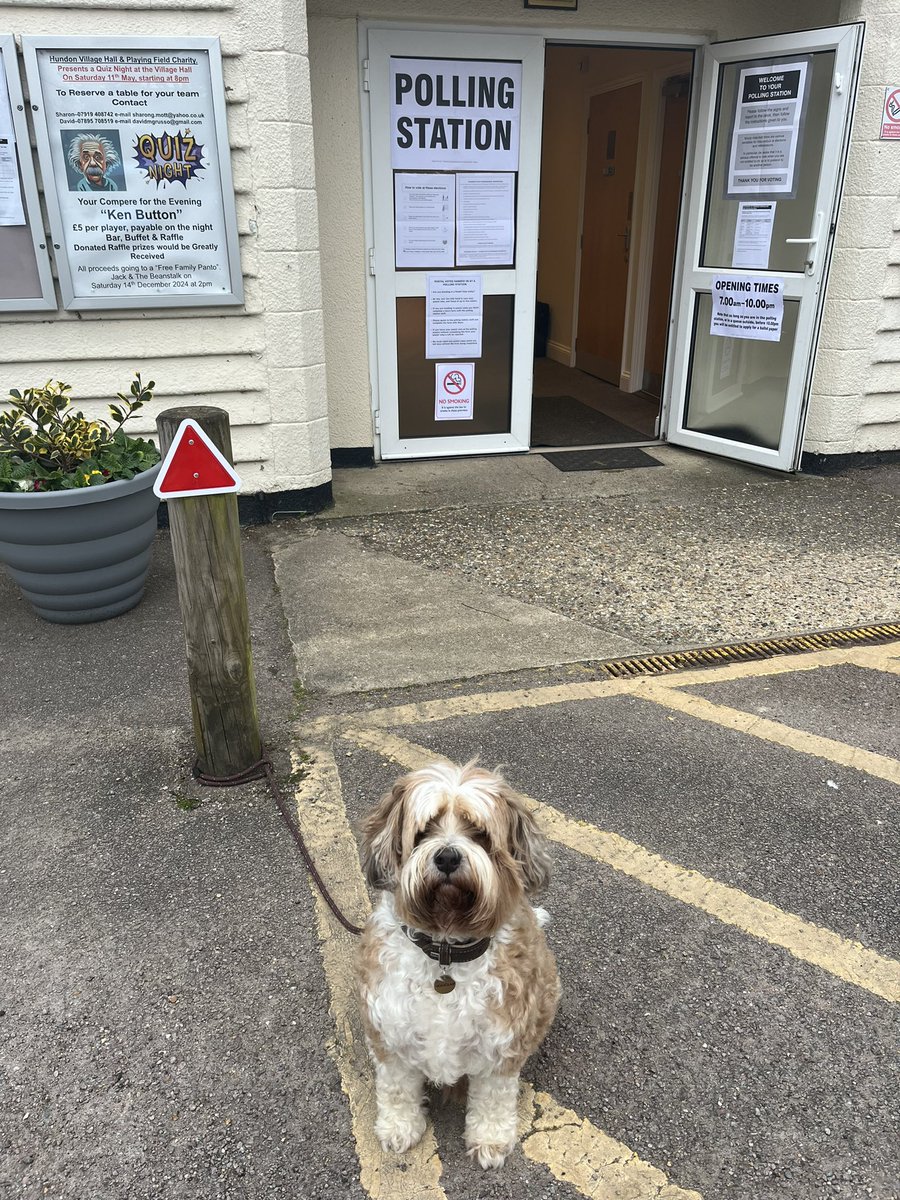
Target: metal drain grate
<point>717,656</point>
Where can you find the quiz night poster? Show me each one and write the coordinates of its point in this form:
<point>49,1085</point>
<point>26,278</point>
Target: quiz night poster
<point>134,153</point>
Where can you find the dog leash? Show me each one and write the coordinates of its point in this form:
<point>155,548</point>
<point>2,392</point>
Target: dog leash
<point>264,769</point>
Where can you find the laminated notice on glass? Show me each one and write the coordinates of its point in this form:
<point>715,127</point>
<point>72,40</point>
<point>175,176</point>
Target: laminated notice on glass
<point>424,215</point>
<point>450,114</point>
<point>753,234</point>
<point>26,280</point>
<point>766,132</point>
<point>747,306</point>
<point>453,316</point>
<point>454,391</point>
<point>485,206</point>
<point>134,150</point>
<point>12,210</point>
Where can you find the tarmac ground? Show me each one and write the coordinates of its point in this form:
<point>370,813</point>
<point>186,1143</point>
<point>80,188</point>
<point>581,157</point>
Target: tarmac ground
<point>177,1012</point>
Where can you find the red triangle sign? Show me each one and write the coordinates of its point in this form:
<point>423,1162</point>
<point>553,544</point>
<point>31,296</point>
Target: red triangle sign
<point>194,466</point>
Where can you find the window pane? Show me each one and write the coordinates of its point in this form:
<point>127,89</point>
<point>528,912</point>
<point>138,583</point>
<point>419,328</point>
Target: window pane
<point>793,218</point>
<point>493,372</point>
<point>737,388</point>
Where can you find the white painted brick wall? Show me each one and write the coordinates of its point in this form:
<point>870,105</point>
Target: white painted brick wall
<point>263,363</point>
<point>859,358</point>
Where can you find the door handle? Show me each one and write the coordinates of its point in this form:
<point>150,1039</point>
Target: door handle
<point>812,241</point>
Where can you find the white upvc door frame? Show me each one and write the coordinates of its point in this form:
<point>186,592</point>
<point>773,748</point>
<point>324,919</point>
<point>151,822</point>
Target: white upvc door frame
<point>519,281</point>
<point>382,349</point>
<point>807,287</point>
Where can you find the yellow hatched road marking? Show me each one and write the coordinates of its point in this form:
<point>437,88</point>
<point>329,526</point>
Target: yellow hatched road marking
<point>800,740</point>
<point>848,960</point>
<point>880,658</point>
<point>580,1154</point>
<point>476,704</point>
<point>326,831</point>
<point>573,1149</point>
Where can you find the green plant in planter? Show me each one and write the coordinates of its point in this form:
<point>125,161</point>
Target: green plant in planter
<point>45,446</point>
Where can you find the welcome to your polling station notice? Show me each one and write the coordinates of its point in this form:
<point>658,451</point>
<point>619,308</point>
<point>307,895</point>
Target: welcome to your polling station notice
<point>133,153</point>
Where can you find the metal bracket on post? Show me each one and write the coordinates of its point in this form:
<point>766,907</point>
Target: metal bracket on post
<point>211,591</point>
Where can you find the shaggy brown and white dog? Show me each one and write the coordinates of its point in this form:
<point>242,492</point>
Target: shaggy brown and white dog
<point>456,978</point>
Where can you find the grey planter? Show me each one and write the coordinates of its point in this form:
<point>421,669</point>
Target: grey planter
<point>81,555</point>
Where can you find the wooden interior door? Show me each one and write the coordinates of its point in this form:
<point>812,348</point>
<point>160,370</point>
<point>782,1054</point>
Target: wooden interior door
<point>612,144</point>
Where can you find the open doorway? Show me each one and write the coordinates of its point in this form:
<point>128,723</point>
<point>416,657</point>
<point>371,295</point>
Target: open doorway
<point>614,137</point>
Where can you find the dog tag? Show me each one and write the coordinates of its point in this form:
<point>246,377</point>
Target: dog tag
<point>444,984</point>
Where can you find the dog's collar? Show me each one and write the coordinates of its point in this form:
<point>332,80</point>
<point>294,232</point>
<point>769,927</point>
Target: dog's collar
<point>444,952</point>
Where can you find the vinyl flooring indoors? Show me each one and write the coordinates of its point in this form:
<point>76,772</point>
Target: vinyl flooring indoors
<point>572,408</point>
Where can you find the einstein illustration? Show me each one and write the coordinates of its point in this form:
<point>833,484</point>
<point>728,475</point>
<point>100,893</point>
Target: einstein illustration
<point>93,161</point>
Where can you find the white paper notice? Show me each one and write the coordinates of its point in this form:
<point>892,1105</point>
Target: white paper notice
<point>454,391</point>
<point>747,306</point>
<point>763,155</point>
<point>133,144</point>
<point>424,208</point>
<point>449,114</point>
<point>453,316</point>
<point>485,205</point>
<point>11,210</point>
<point>753,234</point>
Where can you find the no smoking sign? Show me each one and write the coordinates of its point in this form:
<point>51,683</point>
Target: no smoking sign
<point>454,390</point>
<point>890,116</point>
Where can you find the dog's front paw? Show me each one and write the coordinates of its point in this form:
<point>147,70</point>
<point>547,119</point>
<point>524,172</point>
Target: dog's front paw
<point>397,1133</point>
<point>491,1154</point>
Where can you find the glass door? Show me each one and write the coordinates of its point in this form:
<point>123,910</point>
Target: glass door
<point>455,124</point>
<point>773,130</point>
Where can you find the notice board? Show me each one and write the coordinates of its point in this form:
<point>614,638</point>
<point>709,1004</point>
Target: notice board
<point>135,158</point>
<point>26,281</point>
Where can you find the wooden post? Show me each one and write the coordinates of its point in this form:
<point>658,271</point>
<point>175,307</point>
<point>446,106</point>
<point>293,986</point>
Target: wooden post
<point>210,572</point>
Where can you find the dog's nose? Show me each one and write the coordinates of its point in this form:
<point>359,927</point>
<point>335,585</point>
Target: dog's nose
<point>447,859</point>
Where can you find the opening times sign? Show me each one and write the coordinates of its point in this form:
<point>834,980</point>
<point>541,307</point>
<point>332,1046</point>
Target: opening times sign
<point>133,141</point>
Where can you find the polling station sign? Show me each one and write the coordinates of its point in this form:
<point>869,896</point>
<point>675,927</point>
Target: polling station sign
<point>450,115</point>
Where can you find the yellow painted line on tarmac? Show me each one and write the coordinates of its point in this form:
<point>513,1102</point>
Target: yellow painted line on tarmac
<point>799,740</point>
<point>879,658</point>
<point>572,1148</point>
<point>580,1154</point>
<point>846,959</point>
<point>782,664</point>
<point>884,658</point>
<point>326,831</point>
<point>475,705</point>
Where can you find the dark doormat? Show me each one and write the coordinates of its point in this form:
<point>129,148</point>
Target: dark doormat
<point>565,421</point>
<point>622,459</point>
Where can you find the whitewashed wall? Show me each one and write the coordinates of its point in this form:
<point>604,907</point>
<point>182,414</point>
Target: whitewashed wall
<point>336,120</point>
<point>855,406</point>
<point>263,363</point>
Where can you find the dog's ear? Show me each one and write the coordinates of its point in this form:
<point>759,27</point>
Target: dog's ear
<point>527,844</point>
<point>381,839</point>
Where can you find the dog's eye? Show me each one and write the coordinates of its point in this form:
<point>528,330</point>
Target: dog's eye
<point>418,838</point>
<point>481,837</point>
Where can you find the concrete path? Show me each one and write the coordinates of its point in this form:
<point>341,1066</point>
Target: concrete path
<point>427,571</point>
